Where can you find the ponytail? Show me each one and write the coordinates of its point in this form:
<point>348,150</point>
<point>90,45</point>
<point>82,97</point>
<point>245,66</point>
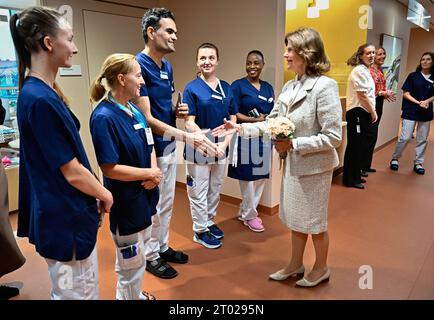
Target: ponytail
<point>353,60</point>
<point>60,93</point>
<point>22,52</point>
<point>356,58</point>
<point>97,89</point>
<point>114,64</point>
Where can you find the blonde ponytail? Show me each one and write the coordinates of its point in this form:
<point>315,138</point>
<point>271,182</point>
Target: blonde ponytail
<point>114,64</point>
<point>60,93</point>
<point>97,89</point>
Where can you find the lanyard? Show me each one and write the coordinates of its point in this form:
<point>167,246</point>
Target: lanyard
<point>133,112</point>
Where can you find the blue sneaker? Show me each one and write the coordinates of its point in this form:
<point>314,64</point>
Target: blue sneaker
<point>207,240</point>
<point>216,231</point>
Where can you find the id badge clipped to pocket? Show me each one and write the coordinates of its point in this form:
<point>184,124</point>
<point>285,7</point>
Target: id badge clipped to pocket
<point>131,257</point>
<point>149,137</point>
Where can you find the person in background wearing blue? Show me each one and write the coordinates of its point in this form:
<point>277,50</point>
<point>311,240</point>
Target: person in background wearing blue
<point>58,209</point>
<point>155,101</point>
<point>210,101</point>
<point>417,108</point>
<point>255,99</point>
<point>124,148</point>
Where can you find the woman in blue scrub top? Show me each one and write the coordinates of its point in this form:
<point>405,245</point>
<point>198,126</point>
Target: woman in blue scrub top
<point>255,99</point>
<point>124,147</point>
<point>57,197</point>
<point>210,101</point>
<point>417,108</point>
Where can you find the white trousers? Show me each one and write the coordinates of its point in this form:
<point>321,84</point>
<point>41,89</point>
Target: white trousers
<point>204,193</point>
<point>251,191</point>
<point>159,241</point>
<point>130,264</point>
<point>75,279</point>
<point>421,139</point>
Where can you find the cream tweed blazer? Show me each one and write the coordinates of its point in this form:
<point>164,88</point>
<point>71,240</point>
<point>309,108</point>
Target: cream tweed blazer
<point>317,114</point>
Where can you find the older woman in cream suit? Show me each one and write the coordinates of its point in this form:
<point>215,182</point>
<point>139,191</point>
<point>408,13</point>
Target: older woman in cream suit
<point>311,102</point>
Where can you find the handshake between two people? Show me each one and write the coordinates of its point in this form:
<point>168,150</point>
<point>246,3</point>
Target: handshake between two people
<point>230,127</point>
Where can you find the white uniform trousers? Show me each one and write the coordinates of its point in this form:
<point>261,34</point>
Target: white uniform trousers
<point>130,264</point>
<point>75,279</point>
<point>159,241</point>
<point>421,139</point>
<point>251,191</point>
<point>204,193</point>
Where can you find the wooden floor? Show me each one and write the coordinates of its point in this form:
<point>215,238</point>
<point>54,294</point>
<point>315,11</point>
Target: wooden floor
<point>389,226</point>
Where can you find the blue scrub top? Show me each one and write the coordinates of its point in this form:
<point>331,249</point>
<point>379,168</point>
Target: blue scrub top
<point>210,108</point>
<point>420,89</point>
<point>253,162</point>
<point>57,217</point>
<point>116,141</point>
<point>159,87</point>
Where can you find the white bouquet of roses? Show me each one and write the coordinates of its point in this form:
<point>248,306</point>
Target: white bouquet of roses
<point>278,129</point>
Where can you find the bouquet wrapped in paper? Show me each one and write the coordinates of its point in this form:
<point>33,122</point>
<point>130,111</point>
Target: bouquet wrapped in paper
<point>280,128</point>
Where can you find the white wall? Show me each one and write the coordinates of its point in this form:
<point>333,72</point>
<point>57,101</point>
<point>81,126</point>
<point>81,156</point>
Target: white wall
<point>236,27</point>
<point>421,41</point>
<point>389,17</point>
<point>197,22</point>
<point>77,88</point>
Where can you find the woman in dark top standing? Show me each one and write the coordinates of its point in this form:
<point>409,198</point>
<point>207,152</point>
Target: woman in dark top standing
<point>255,99</point>
<point>57,195</point>
<point>417,107</point>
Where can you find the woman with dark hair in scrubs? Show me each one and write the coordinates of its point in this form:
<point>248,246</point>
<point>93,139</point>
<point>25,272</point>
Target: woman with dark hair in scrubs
<point>124,148</point>
<point>417,108</point>
<point>57,197</point>
<point>210,101</point>
<point>255,99</point>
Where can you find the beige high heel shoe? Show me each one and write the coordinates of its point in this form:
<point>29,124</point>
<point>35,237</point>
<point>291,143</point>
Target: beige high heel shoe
<point>280,276</point>
<point>306,283</point>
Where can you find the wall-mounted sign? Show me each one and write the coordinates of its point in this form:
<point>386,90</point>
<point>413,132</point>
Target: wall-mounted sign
<point>75,70</point>
<point>418,15</point>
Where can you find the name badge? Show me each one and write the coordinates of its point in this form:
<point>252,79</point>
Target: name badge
<point>138,126</point>
<point>149,136</point>
<point>216,97</point>
<point>164,75</point>
<point>262,98</point>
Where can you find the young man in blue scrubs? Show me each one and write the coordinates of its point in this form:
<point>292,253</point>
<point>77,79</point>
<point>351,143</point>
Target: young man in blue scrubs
<point>159,33</point>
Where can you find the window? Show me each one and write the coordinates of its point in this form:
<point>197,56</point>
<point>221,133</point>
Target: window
<point>8,69</point>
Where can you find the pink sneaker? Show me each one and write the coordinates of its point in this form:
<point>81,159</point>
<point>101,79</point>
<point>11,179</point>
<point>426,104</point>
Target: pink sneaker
<point>255,224</point>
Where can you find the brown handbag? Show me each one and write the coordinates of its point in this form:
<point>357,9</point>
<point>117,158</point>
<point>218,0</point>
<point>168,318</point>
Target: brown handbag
<point>11,257</point>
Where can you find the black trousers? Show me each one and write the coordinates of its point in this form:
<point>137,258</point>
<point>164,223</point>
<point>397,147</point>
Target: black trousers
<point>358,121</point>
<point>372,134</point>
